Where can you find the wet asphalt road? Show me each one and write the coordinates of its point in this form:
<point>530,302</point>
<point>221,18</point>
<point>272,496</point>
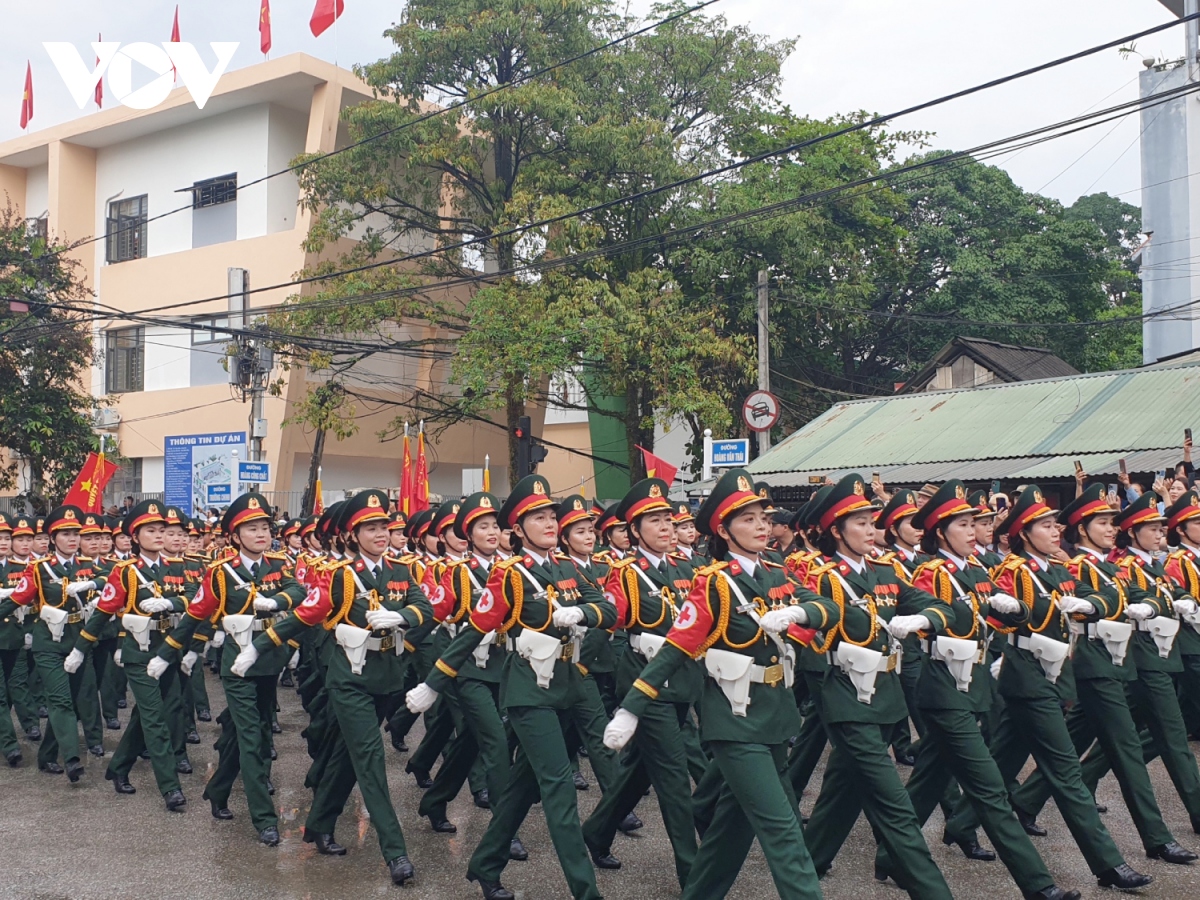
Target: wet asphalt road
<point>83,841</point>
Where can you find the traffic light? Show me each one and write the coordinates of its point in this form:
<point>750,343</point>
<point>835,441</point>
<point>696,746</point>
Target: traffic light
<point>529,453</point>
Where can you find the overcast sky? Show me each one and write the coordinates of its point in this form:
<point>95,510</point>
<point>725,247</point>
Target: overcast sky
<point>877,55</point>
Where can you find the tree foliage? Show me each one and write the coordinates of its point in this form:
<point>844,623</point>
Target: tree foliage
<point>45,363</point>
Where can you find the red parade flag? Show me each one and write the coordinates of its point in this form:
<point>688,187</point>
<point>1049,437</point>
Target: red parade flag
<point>87,492</point>
<point>657,467</point>
<point>325,13</point>
<point>264,27</point>
<point>99,81</point>
<point>421,478</point>
<point>27,97</point>
<point>406,481</point>
<point>175,37</point>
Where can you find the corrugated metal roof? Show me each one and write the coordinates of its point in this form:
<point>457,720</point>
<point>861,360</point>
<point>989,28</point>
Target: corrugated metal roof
<point>1024,429</point>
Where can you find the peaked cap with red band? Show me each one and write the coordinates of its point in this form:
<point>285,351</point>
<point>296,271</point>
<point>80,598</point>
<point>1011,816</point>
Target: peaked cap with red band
<point>1091,502</point>
<point>733,491</point>
<point>947,501</point>
<point>531,493</point>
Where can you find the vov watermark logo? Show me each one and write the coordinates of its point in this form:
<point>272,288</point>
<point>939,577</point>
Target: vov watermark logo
<point>117,60</point>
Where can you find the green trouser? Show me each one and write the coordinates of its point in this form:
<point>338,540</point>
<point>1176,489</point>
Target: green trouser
<point>8,734</point>
<point>62,725</point>
<point>590,720</point>
<point>657,757</point>
<point>810,744</point>
<point>1102,715</point>
<point>199,689</point>
<point>953,747</point>
<point>16,678</point>
<point>482,738</point>
<point>102,659</point>
<point>1157,706</point>
<point>148,728</point>
<point>1036,726</point>
<point>542,769</point>
<point>861,777</point>
<point>357,757</point>
<point>756,801</point>
<point>243,747</point>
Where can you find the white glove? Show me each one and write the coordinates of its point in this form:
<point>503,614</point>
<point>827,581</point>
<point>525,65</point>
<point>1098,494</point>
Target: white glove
<point>778,620</point>
<point>1005,603</point>
<point>618,732</point>
<point>1139,611</point>
<point>5,593</point>
<point>117,658</point>
<point>75,588</point>
<point>73,661</point>
<point>244,661</point>
<point>188,662</point>
<point>154,605</point>
<point>1185,607</point>
<point>218,639</point>
<point>384,618</point>
<point>156,667</point>
<point>420,698</point>
<point>294,661</point>
<point>566,616</point>
<point>1074,606</point>
<point>995,667</point>
<point>903,626</point>
<point>265,604</point>
<point>29,641</point>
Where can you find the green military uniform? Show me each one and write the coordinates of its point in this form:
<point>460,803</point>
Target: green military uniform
<point>57,587</point>
<point>746,718</point>
<point>361,680</point>
<point>858,603</point>
<point>954,692</point>
<point>1103,671</point>
<point>1034,681</point>
<point>524,596</point>
<point>648,593</point>
<point>149,596</point>
<point>231,595</point>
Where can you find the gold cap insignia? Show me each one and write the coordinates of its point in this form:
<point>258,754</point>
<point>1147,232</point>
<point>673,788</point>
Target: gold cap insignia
<point>960,492</point>
<point>743,483</point>
<point>578,504</point>
<point>539,489</point>
<point>859,488</point>
<point>252,503</point>
<point>655,490</point>
<point>485,502</point>
<point>373,501</point>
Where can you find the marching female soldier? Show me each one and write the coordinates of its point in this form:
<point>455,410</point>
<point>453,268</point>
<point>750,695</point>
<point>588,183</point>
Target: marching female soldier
<point>367,602</point>
<point>147,592</point>
<point>538,601</point>
<point>733,615</point>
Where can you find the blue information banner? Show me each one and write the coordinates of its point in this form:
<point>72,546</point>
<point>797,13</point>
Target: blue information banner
<point>198,469</point>
<point>731,454</point>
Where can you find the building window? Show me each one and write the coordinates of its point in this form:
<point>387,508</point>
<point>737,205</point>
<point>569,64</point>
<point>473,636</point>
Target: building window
<point>214,191</point>
<point>124,360</point>
<point>126,229</point>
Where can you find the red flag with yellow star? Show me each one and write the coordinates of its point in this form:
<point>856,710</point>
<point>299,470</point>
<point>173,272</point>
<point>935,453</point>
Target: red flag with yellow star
<point>88,490</point>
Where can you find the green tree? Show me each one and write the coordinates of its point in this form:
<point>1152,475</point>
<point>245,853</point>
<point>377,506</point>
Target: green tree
<point>46,356</point>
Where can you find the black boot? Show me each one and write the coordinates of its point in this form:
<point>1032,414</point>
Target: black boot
<point>401,870</point>
<point>326,845</point>
<point>517,851</point>
<point>492,890</point>
<point>442,825</point>
<point>1172,853</point>
<point>1124,878</point>
<point>174,800</point>
<point>120,783</point>
<point>969,848</point>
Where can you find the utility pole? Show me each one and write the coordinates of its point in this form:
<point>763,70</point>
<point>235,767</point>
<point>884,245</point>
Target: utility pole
<point>764,354</point>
